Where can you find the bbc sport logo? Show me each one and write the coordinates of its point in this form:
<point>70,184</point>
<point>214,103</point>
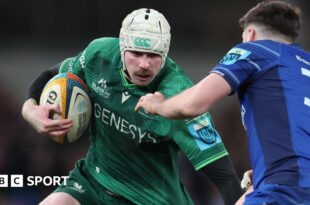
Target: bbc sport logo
<point>18,180</point>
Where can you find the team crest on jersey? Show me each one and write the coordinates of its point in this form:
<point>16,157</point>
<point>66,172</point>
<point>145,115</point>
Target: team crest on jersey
<point>233,55</point>
<point>203,131</point>
<point>100,87</point>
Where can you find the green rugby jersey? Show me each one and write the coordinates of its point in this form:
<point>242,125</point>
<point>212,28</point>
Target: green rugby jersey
<point>135,154</point>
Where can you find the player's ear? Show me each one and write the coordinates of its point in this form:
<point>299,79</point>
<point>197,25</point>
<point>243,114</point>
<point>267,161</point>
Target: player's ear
<point>252,34</point>
<point>249,34</point>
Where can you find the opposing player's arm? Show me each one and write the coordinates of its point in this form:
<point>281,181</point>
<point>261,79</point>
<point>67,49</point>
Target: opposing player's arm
<point>38,116</point>
<point>191,102</point>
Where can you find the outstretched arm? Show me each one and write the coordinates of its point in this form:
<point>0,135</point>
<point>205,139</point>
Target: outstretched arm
<point>191,102</point>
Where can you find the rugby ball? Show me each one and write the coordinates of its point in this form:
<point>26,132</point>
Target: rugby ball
<point>72,95</point>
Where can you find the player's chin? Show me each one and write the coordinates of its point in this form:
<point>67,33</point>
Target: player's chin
<point>142,81</point>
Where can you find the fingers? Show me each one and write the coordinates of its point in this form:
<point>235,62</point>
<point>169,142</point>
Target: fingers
<point>147,102</point>
<point>246,181</point>
<point>58,133</point>
<point>138,106</point>
<point>149,95</point>
<point>55,108</point>
<point>158,93</point>
<point>250,173</point>
<point>57,127</point>
<point>60,126</point>
<point>58,123</point>
<point>51,126</point>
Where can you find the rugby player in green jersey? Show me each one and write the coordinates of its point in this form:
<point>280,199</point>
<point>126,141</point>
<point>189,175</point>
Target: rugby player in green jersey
<point>133,156</point>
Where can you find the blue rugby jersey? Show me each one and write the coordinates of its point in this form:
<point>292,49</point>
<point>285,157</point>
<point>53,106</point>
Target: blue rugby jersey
<point>273,84</point>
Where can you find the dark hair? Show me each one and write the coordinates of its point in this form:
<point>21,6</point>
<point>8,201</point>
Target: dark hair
<point>276,15</point>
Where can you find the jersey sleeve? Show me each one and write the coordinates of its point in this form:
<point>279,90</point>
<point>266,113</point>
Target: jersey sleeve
<point>196,138</point>
<point>75,65</point>
<point>38,84</point>
<point>84,62</point>
<point>243,62</point>
<point>199,140</point>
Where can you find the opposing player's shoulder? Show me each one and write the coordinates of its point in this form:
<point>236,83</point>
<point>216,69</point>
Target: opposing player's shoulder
<point>263,47</point>
<point>236,53</point>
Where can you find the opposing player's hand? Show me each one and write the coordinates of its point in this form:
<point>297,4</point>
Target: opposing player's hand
<point>38,116</point>
<point>150,102</point>
<point>247,185</point>
<point>246,181</point>
<point>241,200</point>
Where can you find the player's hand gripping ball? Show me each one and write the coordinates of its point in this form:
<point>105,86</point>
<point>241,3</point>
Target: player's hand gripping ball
<point>72,95</point>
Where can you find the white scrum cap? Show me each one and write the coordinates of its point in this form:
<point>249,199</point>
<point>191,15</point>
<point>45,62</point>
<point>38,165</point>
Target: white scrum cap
<point>145,30</point>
